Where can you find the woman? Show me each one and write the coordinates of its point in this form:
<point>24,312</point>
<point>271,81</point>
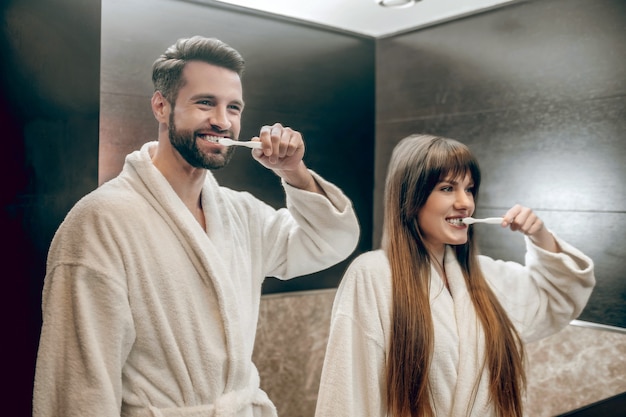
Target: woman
<point>426,326</point>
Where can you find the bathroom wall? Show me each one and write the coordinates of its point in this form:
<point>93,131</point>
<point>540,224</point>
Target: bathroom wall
<point>538,91</point>
<point>542,104</point>
<point>49,107</point>
<point>318,82</point>
<point>562,85</point>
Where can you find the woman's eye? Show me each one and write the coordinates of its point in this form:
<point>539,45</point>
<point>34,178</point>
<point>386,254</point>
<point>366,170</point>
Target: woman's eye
<point>446,188</point>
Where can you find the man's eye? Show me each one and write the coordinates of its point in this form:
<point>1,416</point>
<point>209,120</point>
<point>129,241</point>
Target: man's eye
<point>205,102</point>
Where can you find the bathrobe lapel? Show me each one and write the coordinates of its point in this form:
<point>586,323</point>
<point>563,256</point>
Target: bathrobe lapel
<point>202,252</point>
<point>472,380</point>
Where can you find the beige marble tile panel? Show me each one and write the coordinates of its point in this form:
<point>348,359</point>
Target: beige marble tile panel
<point>573,368</point>
<point>290,347</point>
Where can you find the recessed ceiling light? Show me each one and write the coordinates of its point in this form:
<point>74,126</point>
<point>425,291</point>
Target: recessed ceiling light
<point>396,4</point>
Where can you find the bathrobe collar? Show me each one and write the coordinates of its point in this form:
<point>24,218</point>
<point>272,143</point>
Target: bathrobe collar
<point>199,246</point>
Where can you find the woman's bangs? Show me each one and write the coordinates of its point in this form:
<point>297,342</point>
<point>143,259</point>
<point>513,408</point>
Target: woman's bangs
<point>458,162</point>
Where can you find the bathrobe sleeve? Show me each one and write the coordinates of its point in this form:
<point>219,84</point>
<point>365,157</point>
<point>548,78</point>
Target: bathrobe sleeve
<point>313,233</point>
<point>352,380</point>
<point>88,328</point>
<point>90,348</point>
<point>544,295</point>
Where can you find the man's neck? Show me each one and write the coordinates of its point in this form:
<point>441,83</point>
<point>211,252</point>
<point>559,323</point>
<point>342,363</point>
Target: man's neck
<point>185,180</point>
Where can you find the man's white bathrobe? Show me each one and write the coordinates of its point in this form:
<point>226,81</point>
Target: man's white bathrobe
<point>541,298</point>
<point>147,315</point>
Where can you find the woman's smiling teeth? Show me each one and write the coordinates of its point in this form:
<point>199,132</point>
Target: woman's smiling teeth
<point>455,221</point>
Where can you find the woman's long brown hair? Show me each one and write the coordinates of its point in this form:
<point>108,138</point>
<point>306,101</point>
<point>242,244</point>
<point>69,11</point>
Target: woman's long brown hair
<point>417,164</point>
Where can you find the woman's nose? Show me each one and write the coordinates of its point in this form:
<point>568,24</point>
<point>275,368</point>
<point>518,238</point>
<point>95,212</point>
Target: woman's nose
<point>464,200</point>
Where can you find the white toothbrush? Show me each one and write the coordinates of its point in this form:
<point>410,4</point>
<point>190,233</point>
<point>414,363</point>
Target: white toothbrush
<point>230,142</point>
<point>488,220</point>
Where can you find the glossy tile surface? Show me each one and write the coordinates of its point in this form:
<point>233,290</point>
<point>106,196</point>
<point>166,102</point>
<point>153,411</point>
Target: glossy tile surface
<point>575,367</point>
<point>326,91</point>
<point>290,347</point>
<point>541,104</point>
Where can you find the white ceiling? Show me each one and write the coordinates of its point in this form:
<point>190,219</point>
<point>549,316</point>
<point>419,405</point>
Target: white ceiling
<point>367,17</point>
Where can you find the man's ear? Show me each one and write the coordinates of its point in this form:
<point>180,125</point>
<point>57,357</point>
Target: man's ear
<point>160,107</point>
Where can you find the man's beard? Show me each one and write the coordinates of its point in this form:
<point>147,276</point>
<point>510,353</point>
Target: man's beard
<point>184,141</point>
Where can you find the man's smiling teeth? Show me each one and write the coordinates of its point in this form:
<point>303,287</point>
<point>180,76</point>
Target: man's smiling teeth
<point>210,138</point>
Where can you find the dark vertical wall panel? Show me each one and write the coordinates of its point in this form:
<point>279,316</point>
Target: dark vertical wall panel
<point>538,91</point>
<point>316,81</point>
<point>49,117</point>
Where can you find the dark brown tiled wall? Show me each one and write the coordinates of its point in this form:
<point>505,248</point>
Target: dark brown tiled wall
<point>315,81</point>
<point>538,91</point>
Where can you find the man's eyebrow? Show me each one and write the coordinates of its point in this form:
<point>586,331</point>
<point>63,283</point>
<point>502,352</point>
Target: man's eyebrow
<point>199,96</point>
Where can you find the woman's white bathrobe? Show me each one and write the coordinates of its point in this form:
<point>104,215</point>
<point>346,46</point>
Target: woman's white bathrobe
<point>540,298</point>
<point>147,315</point>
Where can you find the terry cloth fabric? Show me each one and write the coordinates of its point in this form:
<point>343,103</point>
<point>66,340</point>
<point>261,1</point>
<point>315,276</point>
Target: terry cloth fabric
<point>541,297</point>
<point>145,310</point>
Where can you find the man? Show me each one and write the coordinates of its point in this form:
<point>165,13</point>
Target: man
<point>153,282</point>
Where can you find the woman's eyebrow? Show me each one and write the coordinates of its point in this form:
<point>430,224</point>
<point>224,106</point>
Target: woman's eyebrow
<point>455,182</point>
<point>450,181</point>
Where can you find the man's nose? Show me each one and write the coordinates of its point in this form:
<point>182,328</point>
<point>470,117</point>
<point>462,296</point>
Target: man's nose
<point>219,118</point>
